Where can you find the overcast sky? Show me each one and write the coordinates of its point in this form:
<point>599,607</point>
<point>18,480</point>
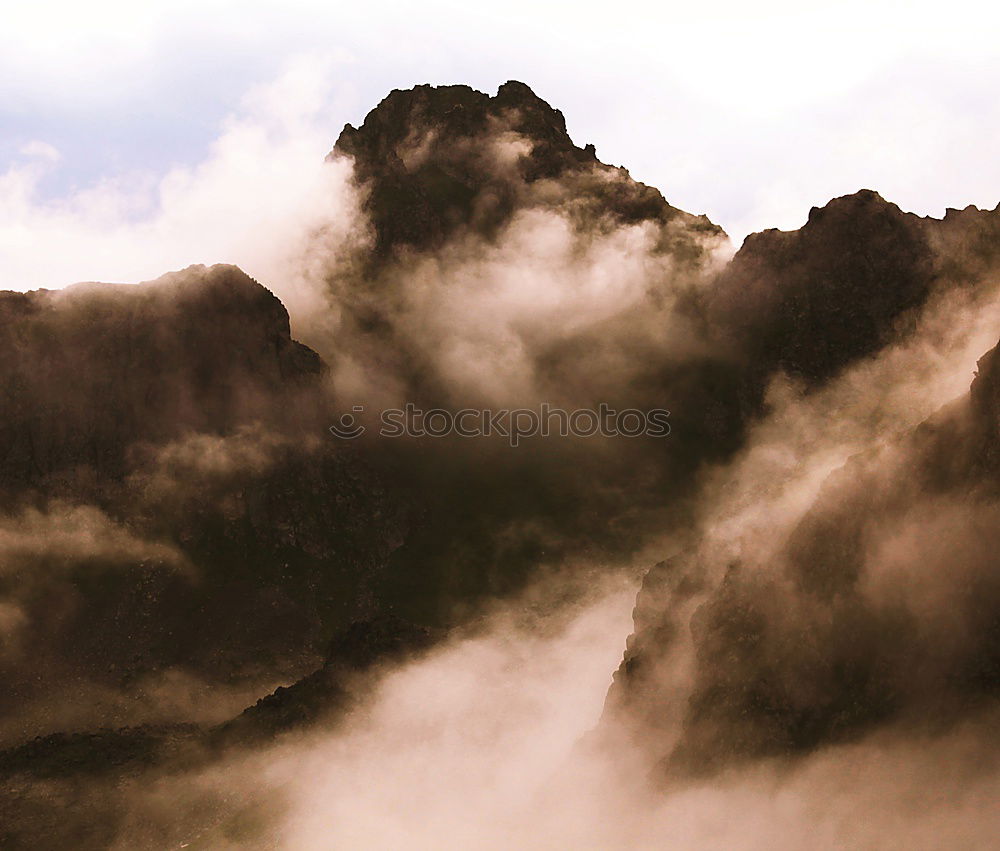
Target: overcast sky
<point>749,112</point>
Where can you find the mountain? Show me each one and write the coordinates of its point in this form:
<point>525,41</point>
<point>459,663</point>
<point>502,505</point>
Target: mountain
<point>170,437</point>
<point>881,604</point>
<point>89,370</point>
<point>100,770</point>
<point>438,160</point>
<point>468,197</point>
<point>810,301</point>
<point>180,533</point>
<point>174,507</point>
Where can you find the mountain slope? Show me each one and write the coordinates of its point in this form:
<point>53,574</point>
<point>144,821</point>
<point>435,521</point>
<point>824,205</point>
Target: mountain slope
<point>437,160</point>
<point>881,605</point>
<point>175,514</point>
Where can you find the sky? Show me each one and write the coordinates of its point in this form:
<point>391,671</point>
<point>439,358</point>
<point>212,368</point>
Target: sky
<point>750,113</point>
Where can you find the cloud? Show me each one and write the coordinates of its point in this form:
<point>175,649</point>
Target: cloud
<point>485,742</point>
<point>51,558</point>
<point>257,200</point>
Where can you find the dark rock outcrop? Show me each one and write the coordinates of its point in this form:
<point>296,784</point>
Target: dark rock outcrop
<point>883,604</point>
<point>87,371</point>
<point>172,498</point>
<point>811,301</point>
<point>354,658</point>
<point>440,160</point>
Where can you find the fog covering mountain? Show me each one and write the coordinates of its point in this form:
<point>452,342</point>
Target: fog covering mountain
<point>201,588</point>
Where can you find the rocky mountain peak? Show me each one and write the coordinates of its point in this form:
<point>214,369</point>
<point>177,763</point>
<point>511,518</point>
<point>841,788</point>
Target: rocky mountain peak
<point>435,160</point>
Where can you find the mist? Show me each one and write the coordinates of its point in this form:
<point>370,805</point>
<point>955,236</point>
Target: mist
<point>489,741</point>
<point>223,624</point>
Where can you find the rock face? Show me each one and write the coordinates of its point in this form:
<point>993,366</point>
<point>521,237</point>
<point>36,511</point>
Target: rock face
<point>172,499</point>
<point>810,301</point>
<point>882,604</point>
<point>87,371</point>
<point>352,663</point>
<point>355,658</point>
<point>438,160</point>
<point>103,772</point>
<point>510,267</point>
<point>447,175</point>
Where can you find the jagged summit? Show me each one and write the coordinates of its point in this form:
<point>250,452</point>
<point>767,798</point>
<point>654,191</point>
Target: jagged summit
<point>811,300</point>
<point>439,159</point>
<point>861,203</point>
<point>461,112</point>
